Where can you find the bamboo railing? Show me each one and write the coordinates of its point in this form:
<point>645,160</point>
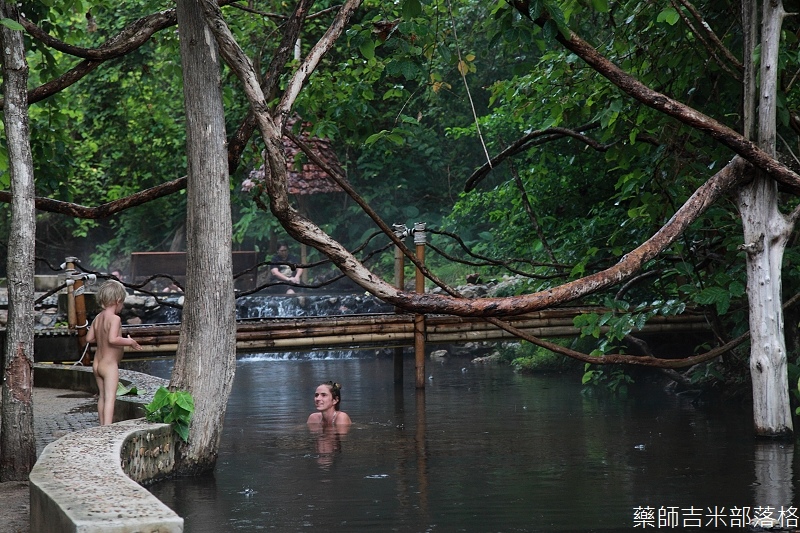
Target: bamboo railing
<point>286,334</point>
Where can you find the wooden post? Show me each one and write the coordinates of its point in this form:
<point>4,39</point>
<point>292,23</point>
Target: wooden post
<point>76,306</point>
<point>78,288</point>
<point>303,261</point>
<point>419,320</point>
<point>69,268</point>
<point>401,231</point>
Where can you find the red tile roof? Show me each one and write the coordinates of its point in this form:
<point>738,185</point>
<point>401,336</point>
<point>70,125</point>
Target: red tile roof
<point>309,178</point>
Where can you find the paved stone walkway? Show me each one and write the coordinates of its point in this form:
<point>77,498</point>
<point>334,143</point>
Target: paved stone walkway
<point>56,412</point>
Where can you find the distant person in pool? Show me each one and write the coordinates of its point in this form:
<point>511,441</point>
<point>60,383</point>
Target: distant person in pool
<point>283,272</point>
<point>327,400</point>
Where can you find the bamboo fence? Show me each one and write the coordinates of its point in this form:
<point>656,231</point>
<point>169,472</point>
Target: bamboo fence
<point>286,334</point>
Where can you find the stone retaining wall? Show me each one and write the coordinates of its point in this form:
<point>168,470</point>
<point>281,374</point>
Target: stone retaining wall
<point>88,480</point>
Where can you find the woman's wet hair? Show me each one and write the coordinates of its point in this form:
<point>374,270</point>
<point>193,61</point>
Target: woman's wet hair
<point>336,392</point>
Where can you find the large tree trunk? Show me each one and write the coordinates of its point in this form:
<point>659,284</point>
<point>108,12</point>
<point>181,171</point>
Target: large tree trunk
<point>766,231</point>
<point>17,442</point>
<point>206,356</point>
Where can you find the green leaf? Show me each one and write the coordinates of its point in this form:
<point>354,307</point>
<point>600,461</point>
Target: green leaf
<point>174,408</point>
<point>182,430</point>
<point>736,289</point>
<point>185,401</point>
<point>715,296</point>
<point>367,49</point>
<point>160,399</point>
<point>12,24</point>
<point>669,15</point>
<point>122,390</point>
<point>375,137</point>
<point>411,9</point>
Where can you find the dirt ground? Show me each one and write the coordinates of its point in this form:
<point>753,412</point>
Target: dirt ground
<point>15,507</point>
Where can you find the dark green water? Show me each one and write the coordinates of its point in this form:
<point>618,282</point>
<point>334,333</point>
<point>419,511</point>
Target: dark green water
<point>481,449</point>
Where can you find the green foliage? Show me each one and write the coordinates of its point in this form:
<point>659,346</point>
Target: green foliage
<point>174,408</point>
<point>614,379</point>
<point>12,24</point>
<point>620,320</point>
<point>704,373</point>
<point>124,390</point>
<point>391,97</point>
<point>531,359</point>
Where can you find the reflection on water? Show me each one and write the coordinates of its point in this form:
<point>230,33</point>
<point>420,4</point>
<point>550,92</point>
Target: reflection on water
<point>328,444</point>
<point>480,449</point>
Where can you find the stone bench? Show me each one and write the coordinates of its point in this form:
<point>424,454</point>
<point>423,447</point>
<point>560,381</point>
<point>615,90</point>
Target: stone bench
<point>89,480</point>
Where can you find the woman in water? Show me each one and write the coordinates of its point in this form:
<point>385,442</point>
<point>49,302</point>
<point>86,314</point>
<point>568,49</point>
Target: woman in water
<point>327,399</point>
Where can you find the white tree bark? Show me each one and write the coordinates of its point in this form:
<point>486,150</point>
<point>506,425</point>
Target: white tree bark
<point>205,361</point>
<point>766,232</point>
<point>17,442</point>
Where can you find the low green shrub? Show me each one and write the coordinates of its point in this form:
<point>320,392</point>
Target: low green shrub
<point>529,358</point>
<point>174,408</point>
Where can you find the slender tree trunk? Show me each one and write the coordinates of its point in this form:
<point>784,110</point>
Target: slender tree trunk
<point>765,240</point>
<point>766,232</point>
<point>17,442</point>
<point>206,356</point>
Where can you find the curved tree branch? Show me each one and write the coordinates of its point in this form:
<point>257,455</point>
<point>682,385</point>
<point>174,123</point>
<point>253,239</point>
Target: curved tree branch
<point>705,36</point>
<point>311,61</point>
<point>711,36</point>
<point>130,38</point>
<point>612,359</point>
<point>533,138</point>
<point>241,137</point>
<point>278,16</point>
<point>127,40</point>
<point>105,210</point>
<point>678,110</point>
<point>70,77</point>
<point>305,231</point>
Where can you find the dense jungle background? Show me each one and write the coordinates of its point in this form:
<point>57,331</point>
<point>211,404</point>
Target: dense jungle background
<point>412,105</point>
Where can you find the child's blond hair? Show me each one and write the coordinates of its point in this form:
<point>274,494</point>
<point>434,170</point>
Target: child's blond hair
<point>110,293</point>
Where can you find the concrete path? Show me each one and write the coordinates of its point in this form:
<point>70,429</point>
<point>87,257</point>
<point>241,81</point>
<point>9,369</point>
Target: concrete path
<point>56,412</point>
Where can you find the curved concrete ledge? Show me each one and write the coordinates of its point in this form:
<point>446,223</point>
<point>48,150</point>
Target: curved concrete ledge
<point>79,484</point>
<point>88,480</point>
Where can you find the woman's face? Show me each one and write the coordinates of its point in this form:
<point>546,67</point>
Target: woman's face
<point>323,400</point>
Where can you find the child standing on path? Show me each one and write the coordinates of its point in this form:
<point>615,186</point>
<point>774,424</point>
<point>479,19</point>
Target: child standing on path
<point>106,332</point>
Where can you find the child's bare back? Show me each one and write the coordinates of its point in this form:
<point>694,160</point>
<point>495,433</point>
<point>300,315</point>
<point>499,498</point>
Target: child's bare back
<point>106,330</point>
